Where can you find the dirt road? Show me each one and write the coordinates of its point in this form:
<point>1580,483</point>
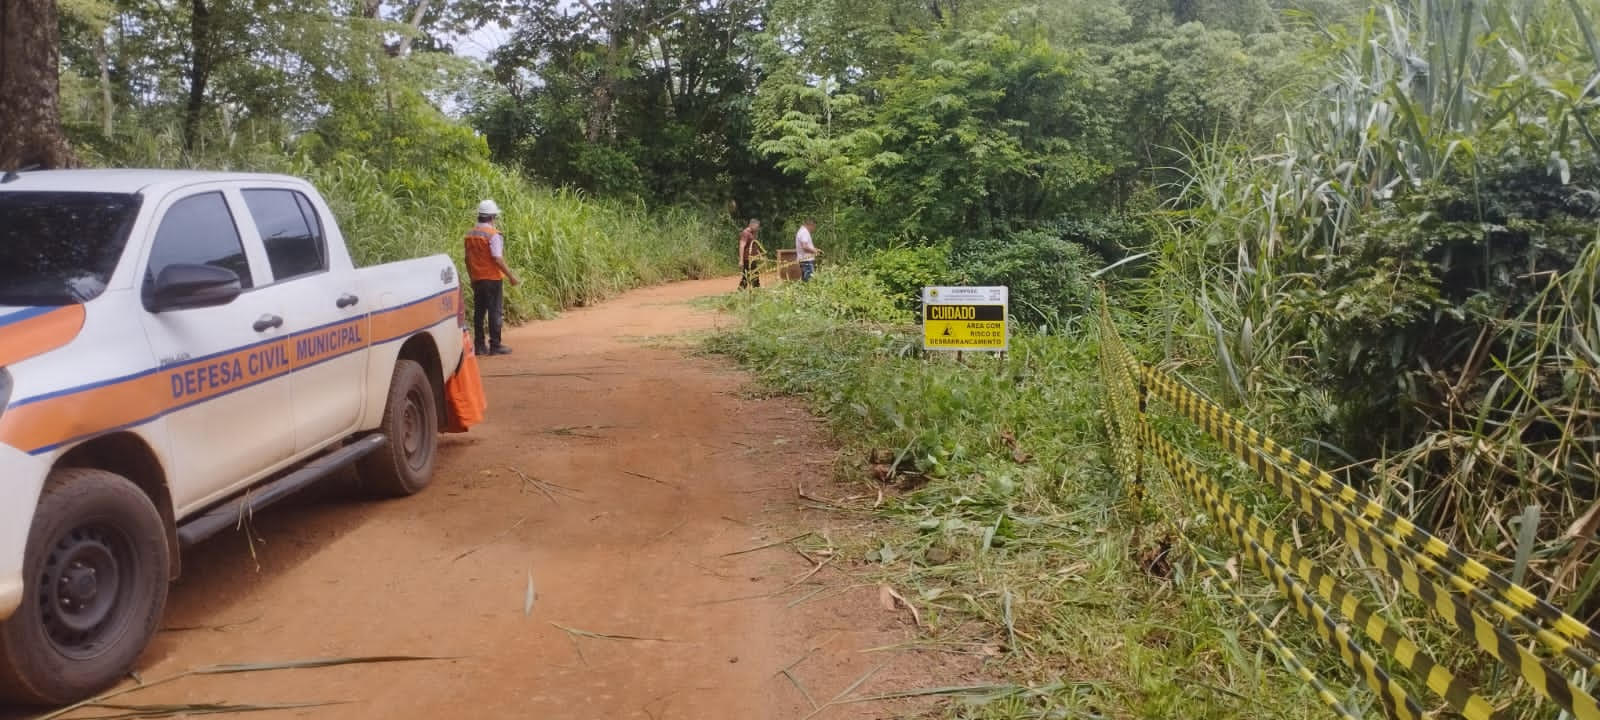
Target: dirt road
<point>645,468</point>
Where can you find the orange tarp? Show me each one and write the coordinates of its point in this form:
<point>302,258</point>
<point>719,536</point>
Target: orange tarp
<point>463,392</point>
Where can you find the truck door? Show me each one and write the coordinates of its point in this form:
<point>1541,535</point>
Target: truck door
<point>327,316</point>
<point>226,367</point>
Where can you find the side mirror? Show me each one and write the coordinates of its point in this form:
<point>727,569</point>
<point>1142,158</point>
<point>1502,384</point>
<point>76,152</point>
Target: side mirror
<point>183,286</point>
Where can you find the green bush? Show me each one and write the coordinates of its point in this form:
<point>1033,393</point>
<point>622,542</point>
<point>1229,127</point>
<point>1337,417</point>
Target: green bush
<point>905,271</point>
<point>1047,274</point>
<point>1441,295</point>
<point>1111,236</point>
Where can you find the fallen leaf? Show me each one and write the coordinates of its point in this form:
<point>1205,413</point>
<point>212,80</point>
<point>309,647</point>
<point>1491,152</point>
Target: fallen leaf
<point>1156,561</point>
<point>1073,569</point>
<point>1586,520</point>
<point>891,600</point>
<point>938,555</point>
<point>911,481</point>
<point>915,616</point>
<point>886,597</point>
<point>991,650</point>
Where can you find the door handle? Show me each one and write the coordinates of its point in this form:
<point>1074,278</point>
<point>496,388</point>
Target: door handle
<point>346,300</point>
<point>267,322</point>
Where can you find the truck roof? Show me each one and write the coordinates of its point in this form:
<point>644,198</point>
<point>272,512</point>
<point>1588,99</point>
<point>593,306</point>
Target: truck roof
<point>123,181</point>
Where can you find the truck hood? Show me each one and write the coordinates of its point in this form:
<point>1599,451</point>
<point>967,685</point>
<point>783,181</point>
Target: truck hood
<point>26,332</point>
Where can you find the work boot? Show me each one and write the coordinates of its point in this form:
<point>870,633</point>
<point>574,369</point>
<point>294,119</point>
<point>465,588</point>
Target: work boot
<point>499,350</point>
<point>480,350</point>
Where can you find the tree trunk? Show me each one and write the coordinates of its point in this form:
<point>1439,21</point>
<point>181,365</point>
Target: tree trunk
<point>416,27</point>
<point>108,106</point>
<point>199,72</point>
<point>603,95</point>
<point>30,87</point>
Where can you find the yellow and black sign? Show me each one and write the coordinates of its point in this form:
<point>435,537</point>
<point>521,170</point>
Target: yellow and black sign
<point>964,318</point>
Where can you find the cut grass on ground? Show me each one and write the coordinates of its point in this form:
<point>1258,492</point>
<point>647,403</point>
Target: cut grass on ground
<point>1008,529</point>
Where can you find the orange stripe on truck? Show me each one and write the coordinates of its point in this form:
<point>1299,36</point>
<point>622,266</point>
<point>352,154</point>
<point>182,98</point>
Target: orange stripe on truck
<point>45,422</point>
<point>39,333</point>
<point>398,322</point>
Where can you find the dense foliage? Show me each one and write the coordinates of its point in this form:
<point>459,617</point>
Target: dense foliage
<point>353,101</point>
<point>1369,227</point>
<point>1402,273</point>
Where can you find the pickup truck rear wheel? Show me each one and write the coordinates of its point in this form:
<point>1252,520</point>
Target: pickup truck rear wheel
<point>404,465</point>
<point>96,572</point>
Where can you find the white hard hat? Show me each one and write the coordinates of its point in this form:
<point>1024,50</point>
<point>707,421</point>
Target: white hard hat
<point>488,207</point>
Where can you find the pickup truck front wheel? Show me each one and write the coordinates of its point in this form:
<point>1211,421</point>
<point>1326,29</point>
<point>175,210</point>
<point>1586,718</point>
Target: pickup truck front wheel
<point>404,465</point>
<point>96,572</point>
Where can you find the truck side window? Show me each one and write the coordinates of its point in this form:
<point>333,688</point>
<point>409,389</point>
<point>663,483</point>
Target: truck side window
<point>291,232</point>
<point>199,230</point>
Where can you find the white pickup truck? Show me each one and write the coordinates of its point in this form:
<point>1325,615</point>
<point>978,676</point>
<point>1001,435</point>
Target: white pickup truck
<point>178,348</point>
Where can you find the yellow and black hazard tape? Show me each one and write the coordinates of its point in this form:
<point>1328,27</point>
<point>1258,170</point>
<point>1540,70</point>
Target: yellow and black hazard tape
<point>1258,451</point>
<point>1396,701</point>
<point>1447,604</point>
<point>1358,530</point>
<point>1419,663</point>
<point>1276,641</point>
<point>1444,559</point>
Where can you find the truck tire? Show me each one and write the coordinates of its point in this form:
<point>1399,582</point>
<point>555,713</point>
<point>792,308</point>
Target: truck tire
<point>404,465</point>
<point>96,572</point>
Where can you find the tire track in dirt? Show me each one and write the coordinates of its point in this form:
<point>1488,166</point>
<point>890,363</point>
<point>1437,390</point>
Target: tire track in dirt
<point>645,471</point>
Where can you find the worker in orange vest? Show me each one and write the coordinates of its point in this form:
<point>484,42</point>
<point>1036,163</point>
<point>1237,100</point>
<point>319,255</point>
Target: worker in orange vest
<point>486,265</point>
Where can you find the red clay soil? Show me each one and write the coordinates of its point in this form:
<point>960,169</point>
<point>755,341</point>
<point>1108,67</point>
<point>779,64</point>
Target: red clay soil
<point>647,471</point>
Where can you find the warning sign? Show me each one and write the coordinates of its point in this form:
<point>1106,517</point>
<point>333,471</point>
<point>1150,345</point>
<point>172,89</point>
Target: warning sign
<point>964,318</point>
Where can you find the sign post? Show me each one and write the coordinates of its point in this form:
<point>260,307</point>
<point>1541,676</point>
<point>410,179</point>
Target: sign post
<point>965,318</point>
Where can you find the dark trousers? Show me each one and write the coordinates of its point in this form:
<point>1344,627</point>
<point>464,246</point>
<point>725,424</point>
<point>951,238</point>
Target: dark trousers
<point>807,268</point>
<point>748,276</point>
<point>488,298</point>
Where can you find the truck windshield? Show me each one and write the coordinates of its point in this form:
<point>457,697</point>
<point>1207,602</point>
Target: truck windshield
<point>59,248</point>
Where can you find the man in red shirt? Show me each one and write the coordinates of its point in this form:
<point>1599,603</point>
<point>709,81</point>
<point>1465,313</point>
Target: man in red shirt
<point>750,254</point>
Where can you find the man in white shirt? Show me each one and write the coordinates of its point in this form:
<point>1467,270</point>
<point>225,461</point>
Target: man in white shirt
<point>805,251</point>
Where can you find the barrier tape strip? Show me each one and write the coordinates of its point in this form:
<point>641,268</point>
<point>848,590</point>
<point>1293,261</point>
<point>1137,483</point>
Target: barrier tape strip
<point>1397,703</point>
<point>1124,444</point>
<point>1276,641</point>
<point>1447,604</point>
<point>1358,530</point>
<point>1442,555</point>
<point>1419,663</point>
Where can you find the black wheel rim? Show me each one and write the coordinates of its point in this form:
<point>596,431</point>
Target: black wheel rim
<point>414,430</point>
<point>85,588</point>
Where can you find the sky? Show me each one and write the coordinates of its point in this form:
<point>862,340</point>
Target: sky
<point>479,43</point>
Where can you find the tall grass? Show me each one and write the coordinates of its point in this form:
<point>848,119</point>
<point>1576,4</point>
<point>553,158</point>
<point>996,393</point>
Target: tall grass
<point>569,250</point>
<point>1415,96</point>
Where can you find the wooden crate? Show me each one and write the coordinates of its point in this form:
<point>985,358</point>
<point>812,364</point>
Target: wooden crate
<point>788,268</point>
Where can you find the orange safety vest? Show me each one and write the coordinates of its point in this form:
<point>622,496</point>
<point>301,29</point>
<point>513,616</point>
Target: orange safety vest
<point>480,262</point>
